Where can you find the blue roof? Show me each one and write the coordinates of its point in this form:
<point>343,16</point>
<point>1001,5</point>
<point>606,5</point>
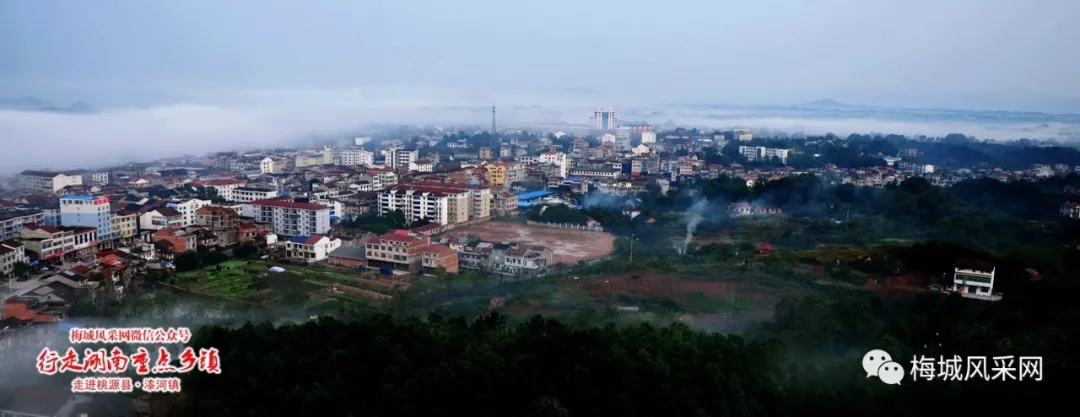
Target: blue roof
<point>534,194</point>
<point>525,204</point>
<point>299,239</point>
<point>78,197</point>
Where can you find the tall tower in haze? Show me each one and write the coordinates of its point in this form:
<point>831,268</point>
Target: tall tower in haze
<point>494,141</point>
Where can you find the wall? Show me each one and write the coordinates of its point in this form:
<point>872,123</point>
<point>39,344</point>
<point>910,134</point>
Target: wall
<point>566,226</point>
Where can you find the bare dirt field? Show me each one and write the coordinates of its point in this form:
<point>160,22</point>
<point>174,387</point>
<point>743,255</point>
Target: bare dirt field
<point>568,246</point>
<point>672,287</point>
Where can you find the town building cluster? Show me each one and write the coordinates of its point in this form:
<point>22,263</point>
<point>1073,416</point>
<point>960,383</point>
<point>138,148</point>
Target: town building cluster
<point>95,225</point>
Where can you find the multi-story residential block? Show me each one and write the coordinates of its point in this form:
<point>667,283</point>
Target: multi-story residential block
<point>399,157</point>
<point>11,253</point>
<point>512,259</point>
<point>761,153</point>
<point>188,208</point>
<point>13,220</point>
<point>622,187</point>
<point>380,178</point>
<point>289,218</point>
<point>484,153</point>
<point>312,248</point>
<point>46,182</point>
<point>973,279</point>
<point>87,211</point>
<point>648,137</point>
<point>435,257</point>
<point>95,177</point>
<point>249,194</point>
<point>215,217</point>
<point>916,167</point>
<point>225,187</point>
<point>596,173</point>
<point>161,218</point>
<point>357,157</point>
<point>496,173</point>
<point>421,165</point>
<point>273,165</point>
<point>396,250</point>
<point>742,135</point>
<point>124,225</point>
<point>176,240</point>
<point>50,243</point>
<point>440,205</point>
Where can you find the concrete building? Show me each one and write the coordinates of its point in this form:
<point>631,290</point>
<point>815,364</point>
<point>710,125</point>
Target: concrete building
<point>742,135</point>
<point>161,218</point>
<point>312,248</point>
<point>973,279</point>
<point>188,208</point>
<point>215,218</point>
<point>11,252</point>
<point>176,240</point>
<point>400,158</point>
<point>249,194</point>
<point>124,225</point>
<point>225,187</point>
<point>1070,210</point>
<point>50,243</point>
<point>761,153</point>
<point>46,182</point>
<point>648,137</point>
<point>604,120</point>
<point>289,218</point>
<point>357,157</point>
<point>916,167</point>
<point>437,204</point>
<point>13,220</point>
<point>87,211</point>
<point>272,165</point>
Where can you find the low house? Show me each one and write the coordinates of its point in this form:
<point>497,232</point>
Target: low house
<point>179,240</point>
<point>435,257</point>
<point>312,248</point>
<point>350,256</point>
<point>161,218</point>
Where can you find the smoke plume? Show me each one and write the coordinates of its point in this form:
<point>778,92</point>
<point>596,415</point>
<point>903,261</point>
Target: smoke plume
<point>695,215</point>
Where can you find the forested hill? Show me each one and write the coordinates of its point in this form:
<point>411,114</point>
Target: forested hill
<point>806,363</point>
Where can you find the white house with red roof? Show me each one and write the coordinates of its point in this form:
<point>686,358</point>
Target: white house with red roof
<point>312,248</point>
<point>225,187</point>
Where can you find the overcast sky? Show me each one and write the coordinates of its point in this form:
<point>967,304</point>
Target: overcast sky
<point>215,71</point>
<point>918,52</point>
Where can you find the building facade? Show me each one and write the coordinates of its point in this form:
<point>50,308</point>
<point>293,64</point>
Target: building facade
<point>289,218</point>
<point>87,211</point>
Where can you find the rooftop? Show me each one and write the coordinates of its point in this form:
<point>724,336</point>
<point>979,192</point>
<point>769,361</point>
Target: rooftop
<point>288,204</point>
<point>79,197</point>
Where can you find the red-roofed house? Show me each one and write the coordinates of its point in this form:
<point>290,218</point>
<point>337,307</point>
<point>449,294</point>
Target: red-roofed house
<point>179,240</point>
<point>312,248</point>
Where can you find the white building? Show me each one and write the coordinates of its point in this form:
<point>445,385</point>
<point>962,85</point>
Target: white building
<point>249,194</point>
<point>648,137</point>
<point>271,165</point>
<point>641,149</point>
<point>10,254</point>
<point>742,135</point>
<point>87,211</point>
<point>362,140</point>
<point>608,138</point>
<point>604,119</point>
<point>225,187</point>
<point>398,157</point>
<point>356,157</point>
<point>422,165</point>
<point>161,218</point>
<point>288,218</point>
<point>916,168</point>
<point>560,159</point>
<point>46,182</point>
<point>974,280</point>
<point>312,248</point>
<point>381,178</point>
<point>187,208</point>
<point>761,153</point>
<point>438,205</point>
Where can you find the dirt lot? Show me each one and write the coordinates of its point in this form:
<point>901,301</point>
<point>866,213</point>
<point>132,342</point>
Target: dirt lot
<point>665,286</point>
<point>568,246</point>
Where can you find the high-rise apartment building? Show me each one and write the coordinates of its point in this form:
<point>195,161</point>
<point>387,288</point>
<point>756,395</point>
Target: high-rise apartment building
<point>603,120</point>
<point>288,218</point>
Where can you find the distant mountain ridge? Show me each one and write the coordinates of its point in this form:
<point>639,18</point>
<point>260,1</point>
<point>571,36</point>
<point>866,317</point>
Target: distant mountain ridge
<point>39,104</point>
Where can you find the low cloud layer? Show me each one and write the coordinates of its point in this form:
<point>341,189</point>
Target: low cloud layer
<point>215,121</point>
